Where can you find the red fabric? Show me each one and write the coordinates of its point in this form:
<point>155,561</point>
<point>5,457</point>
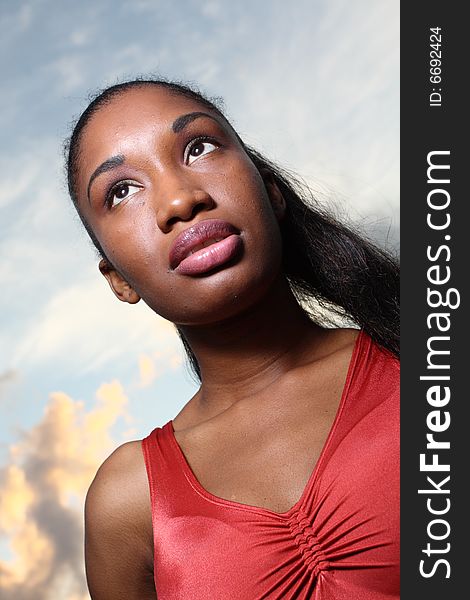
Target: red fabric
<point>340,541</point>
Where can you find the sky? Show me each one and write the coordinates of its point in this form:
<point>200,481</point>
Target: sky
<point>314,84</point>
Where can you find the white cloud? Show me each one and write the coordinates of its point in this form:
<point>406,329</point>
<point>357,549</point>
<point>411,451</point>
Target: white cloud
<point>25,16</point>
<point>18,21</point>
<point>211,8</point>
<point>84,327</point>
<point>20,174</point>
<point>83,35</point>
<point>68,73</point>
<point>325,100</point>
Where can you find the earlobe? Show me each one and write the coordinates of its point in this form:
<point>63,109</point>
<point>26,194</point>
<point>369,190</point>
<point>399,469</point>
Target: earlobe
<point>277,199</point>
<point>122,290</point>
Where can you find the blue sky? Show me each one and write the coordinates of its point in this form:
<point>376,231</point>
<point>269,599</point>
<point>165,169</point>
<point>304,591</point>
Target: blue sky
<point>312,83</point>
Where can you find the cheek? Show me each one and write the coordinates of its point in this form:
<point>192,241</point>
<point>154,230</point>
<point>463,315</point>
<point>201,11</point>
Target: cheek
<point>130,242</point>
<point>262,225</point>
<point>242,188</point>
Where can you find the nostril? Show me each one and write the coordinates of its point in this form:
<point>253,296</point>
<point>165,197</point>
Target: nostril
<point>200,206</point>
<point>170,222</point>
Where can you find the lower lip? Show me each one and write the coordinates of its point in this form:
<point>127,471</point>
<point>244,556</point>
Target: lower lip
<point>211,257</point>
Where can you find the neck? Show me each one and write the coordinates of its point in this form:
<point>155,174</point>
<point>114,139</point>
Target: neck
<point>243,355</point>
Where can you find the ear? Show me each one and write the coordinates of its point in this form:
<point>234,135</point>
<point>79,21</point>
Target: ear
<point>277,199</point>
<point>120,287</point>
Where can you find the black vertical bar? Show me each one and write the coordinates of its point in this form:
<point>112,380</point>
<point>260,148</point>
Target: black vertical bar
<point>434,261</point>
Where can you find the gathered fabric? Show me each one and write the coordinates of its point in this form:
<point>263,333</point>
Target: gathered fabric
<point>340,541</point>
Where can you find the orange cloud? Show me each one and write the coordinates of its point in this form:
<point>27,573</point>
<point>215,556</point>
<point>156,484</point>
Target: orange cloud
<point>42,492</point>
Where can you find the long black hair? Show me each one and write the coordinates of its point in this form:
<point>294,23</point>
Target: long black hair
<point>329,266</point>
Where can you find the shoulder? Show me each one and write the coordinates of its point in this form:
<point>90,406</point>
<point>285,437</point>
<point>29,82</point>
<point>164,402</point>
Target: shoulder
<point>386,360</point>
<point>377,378</point>
<point>120,483</point>
<point>118,526</point>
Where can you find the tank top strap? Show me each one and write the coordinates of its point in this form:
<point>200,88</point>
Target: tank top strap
<point>163,464</point>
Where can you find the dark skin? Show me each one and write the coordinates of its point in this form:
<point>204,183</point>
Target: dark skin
<point>271,379</point>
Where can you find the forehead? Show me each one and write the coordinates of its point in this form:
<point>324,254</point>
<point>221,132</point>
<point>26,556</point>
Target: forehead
<point>142,107</point>
<point>150,99</point>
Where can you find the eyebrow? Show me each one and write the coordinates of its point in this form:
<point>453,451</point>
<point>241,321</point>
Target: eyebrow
<point>107,165</point>
<point>181,122</point>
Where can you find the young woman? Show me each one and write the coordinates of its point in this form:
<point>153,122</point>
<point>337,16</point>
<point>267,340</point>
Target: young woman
<point>279,478</point>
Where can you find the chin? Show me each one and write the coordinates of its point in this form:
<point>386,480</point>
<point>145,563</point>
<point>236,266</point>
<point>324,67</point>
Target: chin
<point>221,296</point>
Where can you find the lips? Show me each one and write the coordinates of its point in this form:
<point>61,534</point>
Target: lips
<point>205,246</point>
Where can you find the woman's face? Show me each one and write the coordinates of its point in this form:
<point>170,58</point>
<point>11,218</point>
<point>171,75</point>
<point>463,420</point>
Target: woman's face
<point>178,207</point>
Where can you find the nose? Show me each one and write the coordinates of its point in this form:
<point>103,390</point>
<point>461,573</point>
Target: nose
<point>183,204</point>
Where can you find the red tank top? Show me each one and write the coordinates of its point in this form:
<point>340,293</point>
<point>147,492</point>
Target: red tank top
<point>340,541</point>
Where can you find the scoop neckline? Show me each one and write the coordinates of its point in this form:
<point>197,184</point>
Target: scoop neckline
<point>199,489</point>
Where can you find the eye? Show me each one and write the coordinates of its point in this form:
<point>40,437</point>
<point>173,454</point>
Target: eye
<point>121,191</point>
<point>197,148</point>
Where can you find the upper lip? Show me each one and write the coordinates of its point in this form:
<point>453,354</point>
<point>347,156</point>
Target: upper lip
<point>210,230</point>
